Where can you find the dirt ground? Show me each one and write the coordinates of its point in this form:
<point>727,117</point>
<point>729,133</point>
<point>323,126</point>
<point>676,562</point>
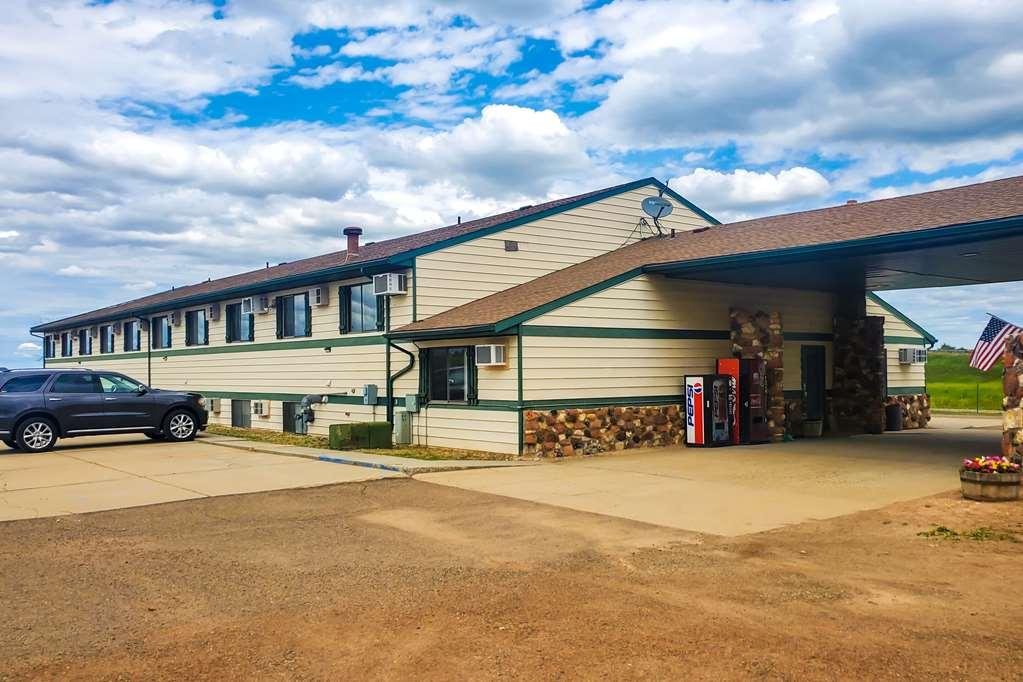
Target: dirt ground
<point>402,579</point>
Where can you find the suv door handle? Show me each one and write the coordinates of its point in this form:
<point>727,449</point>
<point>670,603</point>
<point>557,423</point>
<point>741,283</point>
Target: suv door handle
<point>110,399</point>
<point>54,398</point>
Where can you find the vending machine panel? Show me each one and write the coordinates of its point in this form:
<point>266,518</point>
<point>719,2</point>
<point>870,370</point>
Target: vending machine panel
<point>750,423</point>
<point>710,409</point>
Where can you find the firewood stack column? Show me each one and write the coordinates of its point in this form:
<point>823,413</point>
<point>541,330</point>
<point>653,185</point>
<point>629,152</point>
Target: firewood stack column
<point>1012,387</point>
<point>759,336</point>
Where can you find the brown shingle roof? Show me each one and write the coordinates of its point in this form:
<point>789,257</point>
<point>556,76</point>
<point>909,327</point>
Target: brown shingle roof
<point>915,212</point>
<point>377,252</point>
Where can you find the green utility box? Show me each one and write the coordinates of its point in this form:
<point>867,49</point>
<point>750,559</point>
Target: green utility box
<point>360,435</point>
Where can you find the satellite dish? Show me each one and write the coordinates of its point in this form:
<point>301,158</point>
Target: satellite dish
<point>657,207</point>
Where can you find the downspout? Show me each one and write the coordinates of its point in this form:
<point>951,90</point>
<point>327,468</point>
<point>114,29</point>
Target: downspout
<point>518,368</point>
<point>43,339</point>
<point>389,412</point>
<point>149,351</point>
<point>391,379</point>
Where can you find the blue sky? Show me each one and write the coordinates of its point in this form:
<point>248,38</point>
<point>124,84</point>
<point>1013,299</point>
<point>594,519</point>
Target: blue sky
<point>148,144</point>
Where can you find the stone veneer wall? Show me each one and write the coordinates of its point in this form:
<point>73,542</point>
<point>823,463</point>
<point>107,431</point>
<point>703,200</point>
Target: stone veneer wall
<point>588,431</point>
<point>759,336</point>
<point>1012,402</point>
<point>916,409</point>
<point>858,391</point>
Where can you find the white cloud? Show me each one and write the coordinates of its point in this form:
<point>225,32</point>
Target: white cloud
<point>28,350</point>
<point>79,271</point>
<point>9,234</point>
<point>742,192</point>
<point>322,76</point>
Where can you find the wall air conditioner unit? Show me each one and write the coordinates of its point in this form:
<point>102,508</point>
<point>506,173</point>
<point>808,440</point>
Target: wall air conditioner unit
<point>261,408</point>
<point>176,318</point>
<point>246,306</point>
<point>117,327</point>
<point>491,355</point>
<point>263,305</point>
<point>93,332</point>
<point>213,312</point>
<point>920,356</point>
<point>215,405</point>
<point>390,284</point>
<point>319,296</point>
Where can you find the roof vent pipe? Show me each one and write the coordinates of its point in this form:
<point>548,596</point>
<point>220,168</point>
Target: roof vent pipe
<point>850,202</point>
<point>353,234</point>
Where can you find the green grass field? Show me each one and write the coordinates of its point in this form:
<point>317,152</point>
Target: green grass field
<point>953,384</point>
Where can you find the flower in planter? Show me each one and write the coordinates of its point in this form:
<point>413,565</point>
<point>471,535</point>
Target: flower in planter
<point>991,465</point>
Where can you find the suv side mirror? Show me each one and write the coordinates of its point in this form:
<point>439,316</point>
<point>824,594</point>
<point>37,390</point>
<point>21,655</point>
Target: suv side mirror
<point>143,390</point>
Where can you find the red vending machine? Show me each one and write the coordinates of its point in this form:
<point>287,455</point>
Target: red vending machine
<point>710,409</point>
<point>750,425</point>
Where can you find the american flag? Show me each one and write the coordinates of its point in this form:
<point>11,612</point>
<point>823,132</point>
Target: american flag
<point>991,343</point>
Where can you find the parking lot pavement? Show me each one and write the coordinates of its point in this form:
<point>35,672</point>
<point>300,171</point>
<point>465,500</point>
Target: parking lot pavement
<point>93,474</point>
<point>738,490</point>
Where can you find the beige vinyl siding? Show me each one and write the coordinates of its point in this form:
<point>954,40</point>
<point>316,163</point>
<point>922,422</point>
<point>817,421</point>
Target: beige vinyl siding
<point>656,302</point>
<point>467,429</point>
<point>556,368</point>
<point>899,376</point>
<point>574,367</point>
<point>462,273</point>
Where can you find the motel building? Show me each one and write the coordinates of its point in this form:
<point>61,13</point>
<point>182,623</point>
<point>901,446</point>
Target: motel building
<point>563,327</point>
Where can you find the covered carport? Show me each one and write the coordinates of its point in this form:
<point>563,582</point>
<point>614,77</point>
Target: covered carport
<point>963,236</point>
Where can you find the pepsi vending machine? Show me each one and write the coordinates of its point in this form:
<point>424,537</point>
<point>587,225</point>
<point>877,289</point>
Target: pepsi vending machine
<point>710,409</point>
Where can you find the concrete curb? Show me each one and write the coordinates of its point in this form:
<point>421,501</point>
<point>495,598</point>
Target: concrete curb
<point>413,467</point>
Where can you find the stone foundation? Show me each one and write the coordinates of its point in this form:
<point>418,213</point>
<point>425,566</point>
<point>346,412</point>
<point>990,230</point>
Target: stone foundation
<point>759,336</point>
<point>916,409</point>
<point>561,433</point>
<point>858,391</point>
<point>1012,402</point>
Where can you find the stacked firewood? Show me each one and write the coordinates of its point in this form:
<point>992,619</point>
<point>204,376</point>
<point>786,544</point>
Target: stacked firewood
<point>916,409</point>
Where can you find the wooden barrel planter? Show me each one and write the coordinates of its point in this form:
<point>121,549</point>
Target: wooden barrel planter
<point>989,487</point>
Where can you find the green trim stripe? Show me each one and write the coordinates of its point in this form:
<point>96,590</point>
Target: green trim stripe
<point>905,340</point>
<point>906,390</point>
<point>233,348</point>
<point>293,397</point>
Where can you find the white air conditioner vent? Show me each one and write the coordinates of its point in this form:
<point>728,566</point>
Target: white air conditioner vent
<point>905,356</point>
<point>318,296</point>
<point>214,405</point>
<point>261,408</point>
<point>491,355</point>
<point>390,284</point>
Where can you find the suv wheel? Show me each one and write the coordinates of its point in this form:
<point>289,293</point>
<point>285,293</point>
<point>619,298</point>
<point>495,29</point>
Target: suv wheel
<point>37,434</point>
<point>179,425</point>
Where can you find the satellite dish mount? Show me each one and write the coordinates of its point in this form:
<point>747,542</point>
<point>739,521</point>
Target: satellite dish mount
<point>657,208</point>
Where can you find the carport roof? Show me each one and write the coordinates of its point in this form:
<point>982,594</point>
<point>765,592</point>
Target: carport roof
<point>866,245</point>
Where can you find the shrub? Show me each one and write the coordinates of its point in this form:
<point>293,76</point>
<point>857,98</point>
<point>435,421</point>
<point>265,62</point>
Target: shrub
<point>360,435</point>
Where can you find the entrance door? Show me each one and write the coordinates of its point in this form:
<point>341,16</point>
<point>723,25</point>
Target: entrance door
<point>294,422</point>
<point>241,414</point>
<point>814,368</point>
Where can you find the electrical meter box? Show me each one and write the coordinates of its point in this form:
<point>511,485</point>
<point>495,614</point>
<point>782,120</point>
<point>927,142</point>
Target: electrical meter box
<point>369,394</point>
<point>411,402</point>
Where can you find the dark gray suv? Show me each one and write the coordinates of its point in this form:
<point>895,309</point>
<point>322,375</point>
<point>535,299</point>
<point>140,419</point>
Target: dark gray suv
<point>38,406</point>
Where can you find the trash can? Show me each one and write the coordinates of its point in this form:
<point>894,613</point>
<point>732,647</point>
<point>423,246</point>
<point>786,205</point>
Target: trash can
<point>893,417</point>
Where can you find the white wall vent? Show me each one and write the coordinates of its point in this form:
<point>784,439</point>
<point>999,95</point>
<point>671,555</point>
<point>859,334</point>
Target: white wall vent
<point>319,296</point>
<point>390,284</point>
<point>491,355</point>
<point>261,408</point>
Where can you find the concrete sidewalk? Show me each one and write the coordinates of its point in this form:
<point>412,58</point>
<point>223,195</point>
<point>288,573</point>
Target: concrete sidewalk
<point>113,472</point>
<point>402,465</point>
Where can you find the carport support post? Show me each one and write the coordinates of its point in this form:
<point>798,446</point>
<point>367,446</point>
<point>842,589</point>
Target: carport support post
<point>858,383</point>
<point>1012,415</point>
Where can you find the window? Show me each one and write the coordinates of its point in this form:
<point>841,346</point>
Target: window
<point>449,374</point>
<point>26,384</point>
<point>239,324</point>
<point>66,350</point>
<point>84,342</point>
<point>294,317</point>
<point>132,335</point>
<point>160,332</point>
<point>360,309</point>
<point>50,346</point>
<point>197,328</point>
<point>115,383</point>
<point>106,338</point>
<point>75,383</point>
